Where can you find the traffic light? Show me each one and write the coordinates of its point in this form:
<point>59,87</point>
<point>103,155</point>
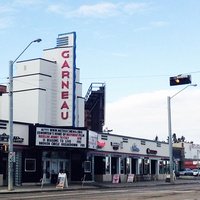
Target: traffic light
<point>4,148</point>
<point>180,80</point>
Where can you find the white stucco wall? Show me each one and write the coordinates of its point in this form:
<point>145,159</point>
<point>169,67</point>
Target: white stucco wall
<point>80,114</point>
<point>19,130</point>
<point>192,151</point>
<point>126,144</point>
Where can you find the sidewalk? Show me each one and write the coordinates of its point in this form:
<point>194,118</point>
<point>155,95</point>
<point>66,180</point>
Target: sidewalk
<point>93,185</point>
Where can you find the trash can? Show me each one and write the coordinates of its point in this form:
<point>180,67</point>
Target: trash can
<point>167,179</point>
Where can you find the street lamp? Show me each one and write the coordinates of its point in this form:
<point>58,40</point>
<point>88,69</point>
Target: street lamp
<point>10,126</point>
<point>170,131</point>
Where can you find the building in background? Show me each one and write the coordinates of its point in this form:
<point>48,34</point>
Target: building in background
<point>95,107</point>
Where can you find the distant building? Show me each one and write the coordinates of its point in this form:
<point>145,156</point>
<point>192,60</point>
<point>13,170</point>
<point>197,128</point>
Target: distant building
<point>95,107</point>
<point>189,155</point>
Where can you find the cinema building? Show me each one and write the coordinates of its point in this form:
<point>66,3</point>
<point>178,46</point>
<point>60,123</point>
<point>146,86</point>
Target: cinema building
<point>56,129</point>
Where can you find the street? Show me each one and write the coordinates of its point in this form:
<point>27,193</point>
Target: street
<point>166,192</point>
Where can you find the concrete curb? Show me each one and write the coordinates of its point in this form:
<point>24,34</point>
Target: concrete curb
<point>50,188</point>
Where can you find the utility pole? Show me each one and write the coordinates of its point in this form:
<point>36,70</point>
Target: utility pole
<point>11,154</point>
<point>170,132</point>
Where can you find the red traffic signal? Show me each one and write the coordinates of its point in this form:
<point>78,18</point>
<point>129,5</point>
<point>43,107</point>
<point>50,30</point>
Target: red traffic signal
<point>180,80</point>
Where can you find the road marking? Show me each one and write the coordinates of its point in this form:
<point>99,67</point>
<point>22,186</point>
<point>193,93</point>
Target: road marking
<point>72,193</point>
<point>68,194</point>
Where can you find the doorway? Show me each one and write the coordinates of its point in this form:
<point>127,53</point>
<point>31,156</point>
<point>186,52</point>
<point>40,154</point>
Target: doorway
<point>51,168</point>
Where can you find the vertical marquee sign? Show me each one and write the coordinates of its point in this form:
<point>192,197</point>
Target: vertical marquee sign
<point>65,57</point>
<point>63,95</point>
<point>66,63</point>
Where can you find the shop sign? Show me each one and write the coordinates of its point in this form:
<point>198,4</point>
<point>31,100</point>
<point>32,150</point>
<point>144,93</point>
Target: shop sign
<point>150,151</point>
<point>60,137</point>
<point>100,144</point>
<point>130,178</point>
<point>62,181</point>
<point>115,145</point>
<point>18,139</point>
<point>116,178</point>
<point>2,89</point>
<point>4,138</point>
<point>134,148</point>
<point>92,140</point>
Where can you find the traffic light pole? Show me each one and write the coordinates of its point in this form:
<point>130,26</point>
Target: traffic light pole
<point>170,132</point>
<point>170,140</point>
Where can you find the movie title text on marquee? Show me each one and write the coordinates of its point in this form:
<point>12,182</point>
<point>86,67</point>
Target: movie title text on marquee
<point>60,137</point>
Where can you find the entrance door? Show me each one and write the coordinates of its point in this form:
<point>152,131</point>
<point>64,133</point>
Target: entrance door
<point>4,166</point>
<point>51,168</point>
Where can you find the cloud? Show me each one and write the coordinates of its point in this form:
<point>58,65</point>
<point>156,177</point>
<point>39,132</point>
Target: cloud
<point>5,9</point>
<point>57,9</point>
<point>133,8</point>
<point>99,10</point>
<point>9,11</point>
<point>5,23</point>
<point>159,24</point>
<point>28,2</point>
<point>118,54</point>
<point>5,16</point>
<point>152,25</point>
<point>145,115</point>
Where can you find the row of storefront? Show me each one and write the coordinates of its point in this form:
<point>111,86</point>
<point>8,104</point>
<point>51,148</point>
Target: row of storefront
<point>44,151</point>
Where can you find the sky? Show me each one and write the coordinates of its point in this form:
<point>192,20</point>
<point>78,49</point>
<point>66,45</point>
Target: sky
<point>131,46</point>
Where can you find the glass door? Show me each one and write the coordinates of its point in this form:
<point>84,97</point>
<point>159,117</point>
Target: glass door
<point>51,168</point>
<point>46,171</point>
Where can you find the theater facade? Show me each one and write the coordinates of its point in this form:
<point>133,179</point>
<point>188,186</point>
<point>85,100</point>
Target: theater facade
<point>51,133</point>
<point>44,151</point>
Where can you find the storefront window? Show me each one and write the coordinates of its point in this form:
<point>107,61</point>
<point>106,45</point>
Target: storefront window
<point>122,165</point>
<point>30,165</point>
<point>163,167</point>
<point>107,165</point>
<point>146,166</point>
<point>140,166</point>
<point>128,165</point>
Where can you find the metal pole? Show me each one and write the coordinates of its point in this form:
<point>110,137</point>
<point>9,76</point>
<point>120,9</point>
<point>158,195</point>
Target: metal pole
<point>198,163</point>
<point>170,132</point>
<point>10,128</point>
<point>170,140</point>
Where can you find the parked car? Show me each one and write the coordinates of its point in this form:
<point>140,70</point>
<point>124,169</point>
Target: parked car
<point>196,172</point>
<point>186,172</point>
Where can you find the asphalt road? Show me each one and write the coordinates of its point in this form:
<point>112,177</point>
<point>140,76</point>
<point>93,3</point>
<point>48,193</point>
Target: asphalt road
<point>167,192</point>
